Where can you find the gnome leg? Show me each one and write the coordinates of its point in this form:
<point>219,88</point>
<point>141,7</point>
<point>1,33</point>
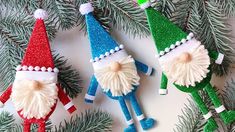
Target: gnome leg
<point>227,116</point>
<point>41,126</point>
<point>146,123</point>
<point>211,124</point>
<point>130,122</point>
<point>27,125</point>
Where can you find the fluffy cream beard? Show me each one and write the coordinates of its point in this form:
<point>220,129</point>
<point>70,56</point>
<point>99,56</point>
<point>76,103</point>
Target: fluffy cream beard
<point>32,101</point>
<point>189,73</point>
<point>118,82</point>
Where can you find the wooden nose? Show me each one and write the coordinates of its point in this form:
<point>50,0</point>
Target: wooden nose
<point>115,66</point>
<point>185,57</point>
<point>36,85</point>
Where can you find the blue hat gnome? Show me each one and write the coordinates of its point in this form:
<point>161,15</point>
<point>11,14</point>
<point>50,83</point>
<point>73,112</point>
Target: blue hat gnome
<point>114,70</point>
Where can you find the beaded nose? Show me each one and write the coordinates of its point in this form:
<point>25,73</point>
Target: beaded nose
<point>115,66</point>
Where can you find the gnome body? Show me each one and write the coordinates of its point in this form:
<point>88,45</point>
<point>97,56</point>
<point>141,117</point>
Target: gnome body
<point>186,62</point>
<point>35,90</point>
<point>114,70</point>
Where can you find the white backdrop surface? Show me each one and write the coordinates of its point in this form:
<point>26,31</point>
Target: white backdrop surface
<point>74,46</point>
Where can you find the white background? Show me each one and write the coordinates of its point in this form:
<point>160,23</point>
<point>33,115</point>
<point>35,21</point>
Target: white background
<point>74,46</point>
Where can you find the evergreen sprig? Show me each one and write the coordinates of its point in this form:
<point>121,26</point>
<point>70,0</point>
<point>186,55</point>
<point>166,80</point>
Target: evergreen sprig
<point>192,119</point>
<point>90,121</point>
<point>207,19</point>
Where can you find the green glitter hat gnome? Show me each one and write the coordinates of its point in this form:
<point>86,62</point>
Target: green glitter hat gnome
<point>186,62</point>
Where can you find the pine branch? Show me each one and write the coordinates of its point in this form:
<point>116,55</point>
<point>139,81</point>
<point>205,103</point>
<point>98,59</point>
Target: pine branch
<point>215,34</point>
<point>68,77</point>
<point>91,121</point>
<point>182,13</point>
<point>6,122</point>
<point>124,16</point>
<point>191,119</point>
<point>228,6</point>
<point>10,57</point>
<point>166,7</point>
<point>63,11</point>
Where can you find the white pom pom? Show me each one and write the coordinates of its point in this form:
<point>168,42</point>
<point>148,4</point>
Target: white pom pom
<point>56,70</point>
<point>40,14</point>
<point>43,69</point>
<point>25,68</point>
<point>18,68</point>
<point>86,8</point>
<point>121,46</point>
<point>30,68</point>
<point>49,69</point>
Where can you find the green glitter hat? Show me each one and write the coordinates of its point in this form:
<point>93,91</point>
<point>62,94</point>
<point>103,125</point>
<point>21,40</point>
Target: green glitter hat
<point>166,35</point>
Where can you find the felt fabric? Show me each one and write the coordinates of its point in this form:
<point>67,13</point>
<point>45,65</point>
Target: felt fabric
<point>164,81</point>
<point>38,58</point>
<point>38,52</point>
<point>65,99</point>
<point>211,124</point>
<point>106,51</point>
<point>200,103</point>
<point>213,95</point>
<point>100,40</point>
<point>92,89</point>
<point>163,31</point>
<point>144,68</point>
<point>6,95</point>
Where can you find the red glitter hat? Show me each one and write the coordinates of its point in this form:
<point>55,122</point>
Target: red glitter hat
<point>38,57</point>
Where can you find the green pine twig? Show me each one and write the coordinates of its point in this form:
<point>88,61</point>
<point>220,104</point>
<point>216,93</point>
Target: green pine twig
<point>90,121</point>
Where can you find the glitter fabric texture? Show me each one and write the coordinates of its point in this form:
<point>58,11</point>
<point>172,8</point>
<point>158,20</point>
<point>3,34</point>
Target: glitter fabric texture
<point>100,41</point>
<point>38,51</point>
<point>164,32</point>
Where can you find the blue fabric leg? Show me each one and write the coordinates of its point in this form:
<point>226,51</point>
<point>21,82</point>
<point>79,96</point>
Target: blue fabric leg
<point>130,122</point>
<point>146,123</point>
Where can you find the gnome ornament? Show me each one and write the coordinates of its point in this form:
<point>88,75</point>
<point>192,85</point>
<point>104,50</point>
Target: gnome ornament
<point>35,90</point>
<point>186,62</point>
<point>114,71</point>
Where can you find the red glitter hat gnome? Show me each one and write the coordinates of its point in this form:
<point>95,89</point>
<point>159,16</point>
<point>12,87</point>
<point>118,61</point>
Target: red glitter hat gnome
<point>35,91</point>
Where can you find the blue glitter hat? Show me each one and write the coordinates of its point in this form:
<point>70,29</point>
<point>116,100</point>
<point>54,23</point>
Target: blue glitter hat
<point>101,43</point>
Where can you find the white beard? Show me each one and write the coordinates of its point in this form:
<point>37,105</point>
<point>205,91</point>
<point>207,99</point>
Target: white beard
<point>34,103</point>
<point>120,82</point>
<point>188,74</point>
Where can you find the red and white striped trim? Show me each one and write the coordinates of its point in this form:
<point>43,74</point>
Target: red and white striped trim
<point>207,116</point>
<point>89,97</point>
<point>36,68</point>
<point>149,71</point>
<point>140,117</point>
<point>68,105</point>
<point>130,122</point>
<point>220,109</point>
